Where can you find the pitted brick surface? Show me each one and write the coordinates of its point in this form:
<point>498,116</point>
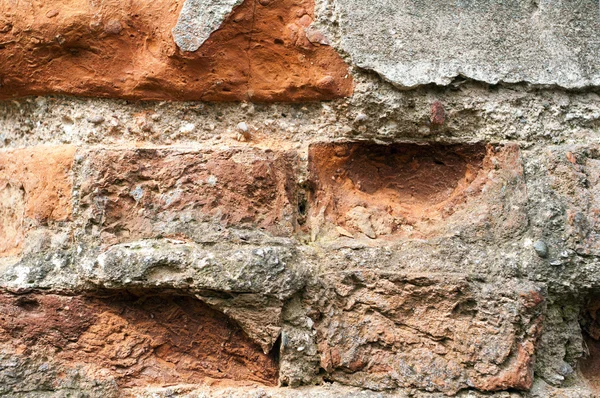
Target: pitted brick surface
<point>134,193</point>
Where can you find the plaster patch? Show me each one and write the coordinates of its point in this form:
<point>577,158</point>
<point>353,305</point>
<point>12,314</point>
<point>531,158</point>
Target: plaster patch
<point>198,19</point>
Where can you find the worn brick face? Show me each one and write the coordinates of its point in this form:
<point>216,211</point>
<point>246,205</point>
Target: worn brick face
<point>432,332</point>
<point>136,340</point>
<point>415,191</point>
<point>139,193</point>
<point>35,188</point>
<point>574,174</point>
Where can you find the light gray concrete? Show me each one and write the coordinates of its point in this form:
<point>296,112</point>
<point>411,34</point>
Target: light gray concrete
<point>416,42</point>
<point>198,19</point>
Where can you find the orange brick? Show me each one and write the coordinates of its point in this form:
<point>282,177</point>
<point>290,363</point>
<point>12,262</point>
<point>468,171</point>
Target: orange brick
<point>35,187</point>
<point>261,51</point>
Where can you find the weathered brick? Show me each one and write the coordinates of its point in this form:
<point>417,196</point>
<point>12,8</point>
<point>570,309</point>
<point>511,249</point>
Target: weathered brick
<point>432,332</point>
<point>35,188</point>
<point>416,191</point>
<point>574,176</point>
<point>140,193</point>
<point>135,340</point>
<point>262,51</point>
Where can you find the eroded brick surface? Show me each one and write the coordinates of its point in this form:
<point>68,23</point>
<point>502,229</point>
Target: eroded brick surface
<point>140,193</point>
<point>137,340</point>
<point>35,189</point>
<point>425,226</point>
<point>263,51</point>
<point>416,191</point>
<point>432,332</point>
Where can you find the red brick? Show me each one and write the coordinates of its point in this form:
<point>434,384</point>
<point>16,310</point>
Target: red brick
<point>136,340</point>
<point>433,332</point>
<point>416,191</point>
<point>139,193</point>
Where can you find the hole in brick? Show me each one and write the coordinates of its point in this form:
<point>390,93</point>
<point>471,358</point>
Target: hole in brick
<point>302,201</point>
<point>378,190</point>
<point>302,206</point>
<point>142,338</point>
<point>28,304</point>
<point>276,350</point>
<point>590,325</point>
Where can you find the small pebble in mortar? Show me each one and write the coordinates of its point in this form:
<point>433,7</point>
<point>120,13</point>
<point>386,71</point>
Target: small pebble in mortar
<point>541,248</point>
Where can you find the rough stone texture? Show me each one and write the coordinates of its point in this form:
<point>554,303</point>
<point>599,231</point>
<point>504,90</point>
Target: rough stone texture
<point>249,284</point>
<point>256,276</point>
<point>575,173</point>
<point>261,52</point>
<point>253,282</point>
<point>325,391</point>
<point>411,43</point>
<point>474,113</point>
<point>277,280</point>
<point>198,19</point>
<point>35,188</point>
<point>559,351</point>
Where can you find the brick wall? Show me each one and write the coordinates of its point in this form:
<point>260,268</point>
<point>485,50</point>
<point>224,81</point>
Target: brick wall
<point>244,199</point>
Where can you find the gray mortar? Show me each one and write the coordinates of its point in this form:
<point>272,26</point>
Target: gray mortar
<point>35,376</point>
<point>475,112</point>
